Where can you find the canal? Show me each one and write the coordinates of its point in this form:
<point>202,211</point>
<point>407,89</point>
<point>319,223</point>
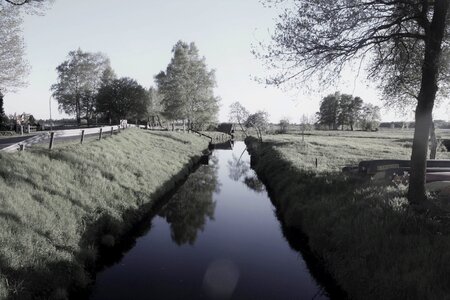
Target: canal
<point>218,237</point>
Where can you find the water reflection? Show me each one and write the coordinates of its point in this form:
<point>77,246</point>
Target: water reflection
<point>253,183</point>
<point>239,170</point>
<point>241,255</point>
<point>189,209</point>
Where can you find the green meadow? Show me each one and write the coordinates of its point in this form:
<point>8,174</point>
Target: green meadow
<point>362,231</point>
<point>59,207</point>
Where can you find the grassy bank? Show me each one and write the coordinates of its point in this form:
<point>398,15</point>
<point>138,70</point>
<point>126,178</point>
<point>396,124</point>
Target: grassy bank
<point>57,208</point>
<point>364,233</point>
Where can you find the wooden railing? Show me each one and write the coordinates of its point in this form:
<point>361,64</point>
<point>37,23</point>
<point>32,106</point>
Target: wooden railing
<point>54,135</point>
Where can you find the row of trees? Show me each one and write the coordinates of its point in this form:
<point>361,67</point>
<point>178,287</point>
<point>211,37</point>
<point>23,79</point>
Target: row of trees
<point>88,88</point>
<point>340,110</point>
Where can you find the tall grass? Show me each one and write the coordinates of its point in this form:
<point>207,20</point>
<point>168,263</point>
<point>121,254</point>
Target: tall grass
<point>364,233</point>
<point>58,207</point>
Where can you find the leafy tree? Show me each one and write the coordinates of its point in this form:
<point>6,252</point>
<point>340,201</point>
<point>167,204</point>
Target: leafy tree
<point>239,114</point>
<point>345,105</point>
<point>354,111</point>
<point>329,111</point>
<point>349,110</point>
<point>108,75</point>
<point>31,120</point>
<point>123,98</point>
<point>187,87</point>
<point>79,79</point>
<point>259,121</point>
<point>319,38</point>
<point>284,125</point>
<point>13,67</point>
<point>154,107</point>
<point>370,117</point>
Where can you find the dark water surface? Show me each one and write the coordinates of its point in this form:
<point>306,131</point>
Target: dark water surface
<point>217,238</point>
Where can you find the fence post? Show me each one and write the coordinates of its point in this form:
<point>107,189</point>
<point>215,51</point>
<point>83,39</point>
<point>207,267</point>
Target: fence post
<point>118,129</point>
<point>28,128</point>
<point>21,129</point>
<point>82,136</point>
<point>100,134</point>
<point>52,137</point>
<point>316,162</point>
<point>112,131</point>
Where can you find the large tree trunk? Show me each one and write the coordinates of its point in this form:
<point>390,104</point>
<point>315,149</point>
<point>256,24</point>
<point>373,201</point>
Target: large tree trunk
<point>427,95</point>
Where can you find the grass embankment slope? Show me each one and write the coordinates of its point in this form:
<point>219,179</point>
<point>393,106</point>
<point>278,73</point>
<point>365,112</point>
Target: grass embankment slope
<point>364,233</point>
<point>58,207</point>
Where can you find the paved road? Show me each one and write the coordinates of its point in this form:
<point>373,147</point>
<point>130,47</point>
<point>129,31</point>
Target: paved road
<point>5,142</point>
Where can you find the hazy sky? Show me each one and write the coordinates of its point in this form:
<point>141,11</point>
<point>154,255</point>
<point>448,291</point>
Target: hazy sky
<point>138,37</point>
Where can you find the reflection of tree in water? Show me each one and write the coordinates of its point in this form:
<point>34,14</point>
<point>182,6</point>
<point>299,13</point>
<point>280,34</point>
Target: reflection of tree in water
<point>193,203</point>
<point>239,168</point>
<point>254,183</point>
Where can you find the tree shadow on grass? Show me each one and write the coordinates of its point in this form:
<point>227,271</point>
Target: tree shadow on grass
<point>43,281</point>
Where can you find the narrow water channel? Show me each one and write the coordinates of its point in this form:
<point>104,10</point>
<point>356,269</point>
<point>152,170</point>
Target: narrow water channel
<point>217,238</point>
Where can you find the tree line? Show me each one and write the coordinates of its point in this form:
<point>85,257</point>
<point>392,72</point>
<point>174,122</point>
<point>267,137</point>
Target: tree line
<point>345,111</point>
<point>89,89</point>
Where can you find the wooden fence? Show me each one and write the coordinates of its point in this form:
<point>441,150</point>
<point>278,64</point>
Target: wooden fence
<point>81,133</point>
<point>51,136</point>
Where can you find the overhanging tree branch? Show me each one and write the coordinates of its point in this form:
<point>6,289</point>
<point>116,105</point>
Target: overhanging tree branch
<point>403,40</point>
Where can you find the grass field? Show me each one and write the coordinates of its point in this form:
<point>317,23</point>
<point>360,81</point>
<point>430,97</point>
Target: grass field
<point>334,150</point>
<point>365,234</point>
<point>58,207</point>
